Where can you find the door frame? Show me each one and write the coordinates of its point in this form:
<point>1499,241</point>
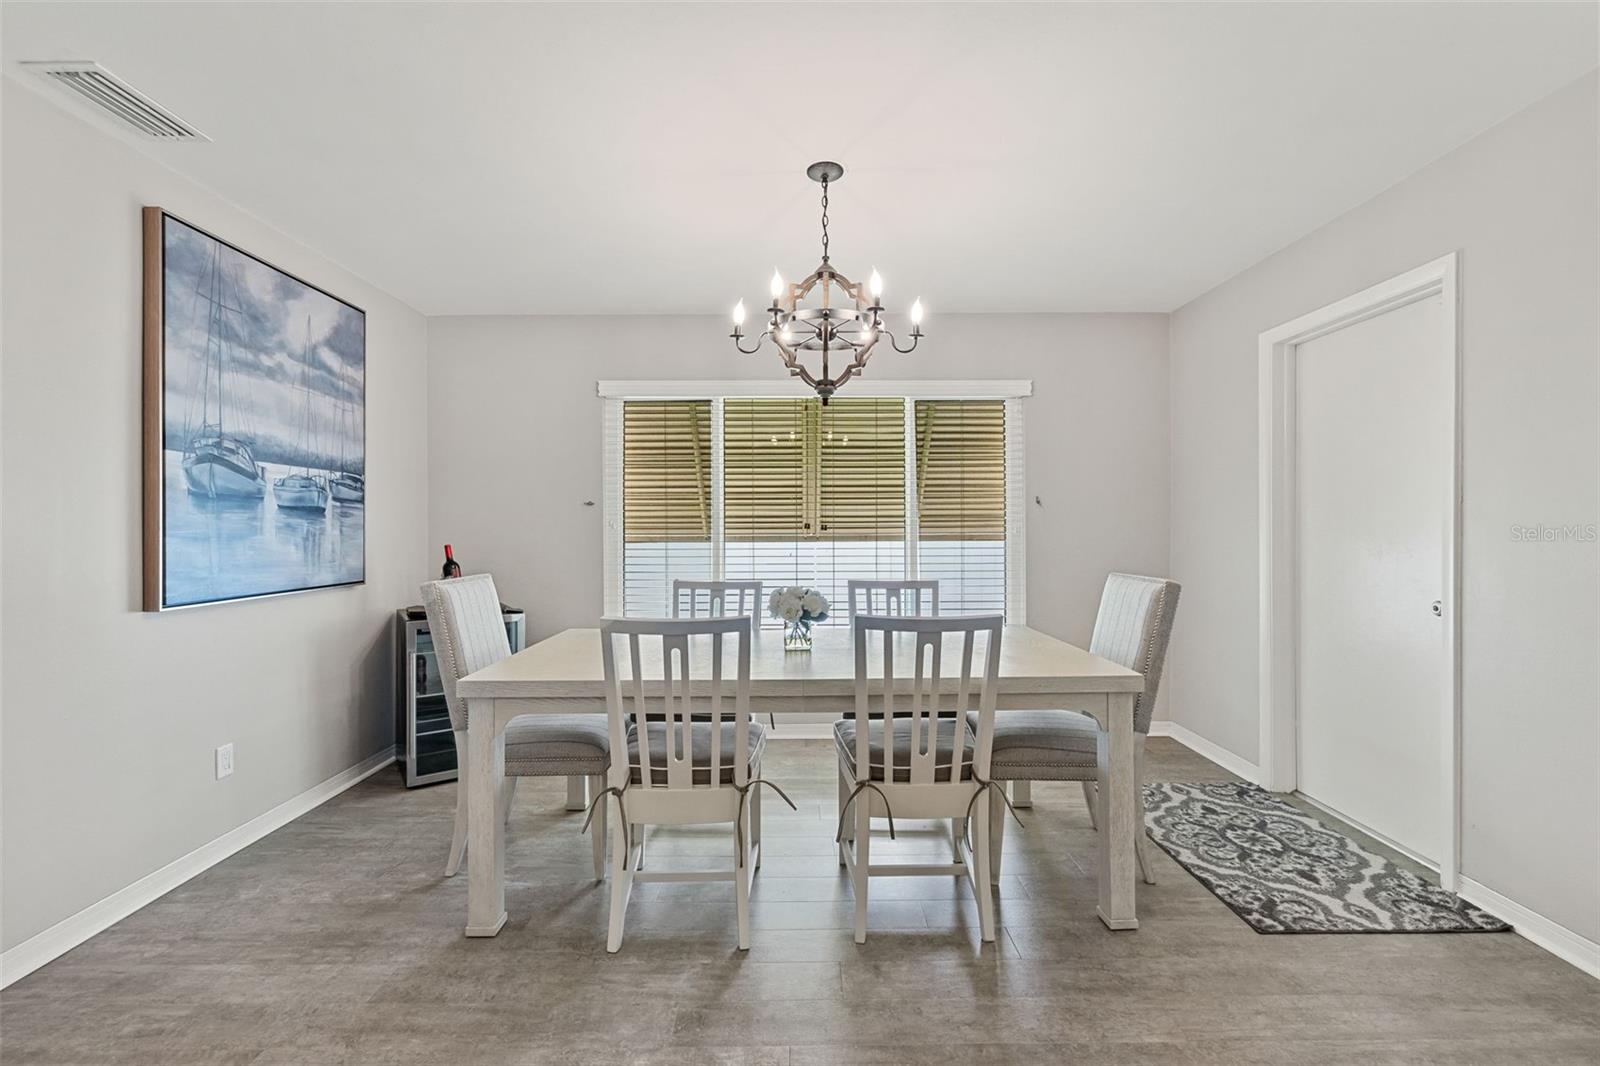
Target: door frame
<point>1279,607</point>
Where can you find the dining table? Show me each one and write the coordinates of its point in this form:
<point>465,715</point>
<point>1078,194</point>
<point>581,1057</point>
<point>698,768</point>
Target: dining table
<point>563,674</point>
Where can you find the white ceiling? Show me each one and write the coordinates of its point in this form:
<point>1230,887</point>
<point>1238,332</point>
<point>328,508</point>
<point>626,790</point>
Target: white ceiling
<point>501,158</point>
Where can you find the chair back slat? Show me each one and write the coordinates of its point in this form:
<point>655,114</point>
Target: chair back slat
<point>913,598</point>
<point>716,599</point>
<point>662,656</point>
<point>913,648</point>
<point>1132,629</point>
<point>469,633</point>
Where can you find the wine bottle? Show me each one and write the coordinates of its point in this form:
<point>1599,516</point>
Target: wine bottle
<point>451,567</point>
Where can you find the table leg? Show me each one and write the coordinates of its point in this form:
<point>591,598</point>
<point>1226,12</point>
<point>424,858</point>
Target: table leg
<point>486,831</point>
<point>1119,815</point>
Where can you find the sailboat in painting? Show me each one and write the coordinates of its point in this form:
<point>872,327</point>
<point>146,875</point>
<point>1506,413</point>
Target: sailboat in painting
<point>346,487</point>
<point>218,464</point>
<point>302,491</point>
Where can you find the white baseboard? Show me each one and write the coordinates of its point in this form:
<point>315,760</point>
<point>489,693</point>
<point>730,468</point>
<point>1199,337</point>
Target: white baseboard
<point>1557,939</point>
<point>97,917</point>
<point>1198,744</point>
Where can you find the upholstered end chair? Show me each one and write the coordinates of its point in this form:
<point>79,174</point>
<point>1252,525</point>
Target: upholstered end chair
<point>468,635</point>
<point>1131,629</point>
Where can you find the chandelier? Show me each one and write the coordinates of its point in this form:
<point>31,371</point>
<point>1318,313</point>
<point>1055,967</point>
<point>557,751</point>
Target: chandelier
<point>844,324</point>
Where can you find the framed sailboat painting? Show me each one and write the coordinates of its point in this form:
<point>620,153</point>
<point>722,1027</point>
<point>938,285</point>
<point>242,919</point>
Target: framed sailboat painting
<point>254,425</point>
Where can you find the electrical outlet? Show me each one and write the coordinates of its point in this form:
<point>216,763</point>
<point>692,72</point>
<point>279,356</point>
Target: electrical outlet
<point>224,761</point>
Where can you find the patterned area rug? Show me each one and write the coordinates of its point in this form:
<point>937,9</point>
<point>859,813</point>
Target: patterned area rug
<point>1283,871</point>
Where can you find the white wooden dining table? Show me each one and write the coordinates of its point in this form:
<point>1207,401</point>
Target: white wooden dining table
<point>563,675</point>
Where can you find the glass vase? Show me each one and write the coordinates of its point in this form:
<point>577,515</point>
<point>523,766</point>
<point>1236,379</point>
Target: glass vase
<point>797,636</point>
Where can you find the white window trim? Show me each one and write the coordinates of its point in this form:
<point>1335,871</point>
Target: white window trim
<point>785,388</point>
<point>614,393</point>
<point>611,502</point>
<point>1016,515</point>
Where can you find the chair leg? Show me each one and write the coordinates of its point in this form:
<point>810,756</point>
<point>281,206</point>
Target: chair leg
<point>458,841</point>
<point>621,882</point>
<point>997,836</point>
<point>1144,861</point>
<point>755,825</point>
<point>1022,794</point>
<point>639,835</point>
<point>1140,833</point>
<point>955,840</point>
<point>598,830</point>
<point>1091,797</point>
<point>849,829</point>
<point>741,880</point>
<point>508,793</point>
<point>980,879</point>
<point>863,857</point>
<point>577,797</point>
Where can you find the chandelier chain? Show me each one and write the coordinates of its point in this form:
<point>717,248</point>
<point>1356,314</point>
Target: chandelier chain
<point>824,220</point>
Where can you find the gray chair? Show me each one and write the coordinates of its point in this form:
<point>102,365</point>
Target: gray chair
<point>1132,629</point>
<point>470,634</point>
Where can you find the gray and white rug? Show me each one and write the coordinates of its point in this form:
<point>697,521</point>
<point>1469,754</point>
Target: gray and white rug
<point>1283,871</point>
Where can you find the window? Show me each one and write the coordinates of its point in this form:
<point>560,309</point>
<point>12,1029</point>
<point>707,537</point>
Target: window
<point>666,500</point>
<point>814,495</point>
<point>961,502</point>
<point>787,491</point>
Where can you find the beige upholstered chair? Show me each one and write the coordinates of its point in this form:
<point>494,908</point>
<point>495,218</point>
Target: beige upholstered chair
<point>1131,629</point>
<point>921,765</point>
<point>677,770</point>
<point>470,634</point>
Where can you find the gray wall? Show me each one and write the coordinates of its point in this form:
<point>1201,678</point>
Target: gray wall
<point>514,430</point>
<point>110,716</point>
<point>1519,202</point>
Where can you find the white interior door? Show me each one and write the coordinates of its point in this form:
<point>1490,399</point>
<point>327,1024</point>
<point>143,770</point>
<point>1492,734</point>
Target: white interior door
<point>1372,422</point>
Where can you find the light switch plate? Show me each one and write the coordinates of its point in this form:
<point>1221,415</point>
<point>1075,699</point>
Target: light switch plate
<point>224,761</point>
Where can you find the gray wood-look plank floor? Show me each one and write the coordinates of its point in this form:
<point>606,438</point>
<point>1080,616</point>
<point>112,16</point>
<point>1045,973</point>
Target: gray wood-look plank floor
<point>337,940</point>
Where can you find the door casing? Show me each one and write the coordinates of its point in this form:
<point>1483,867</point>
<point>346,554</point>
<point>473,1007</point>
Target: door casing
<point>1279,606</point>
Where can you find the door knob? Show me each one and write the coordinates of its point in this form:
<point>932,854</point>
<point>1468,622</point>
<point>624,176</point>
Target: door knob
<point>1438,608</point>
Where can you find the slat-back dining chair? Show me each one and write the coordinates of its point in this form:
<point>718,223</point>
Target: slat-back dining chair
<point>679,771</point>
<point>914,599</point>
<point>1131,629</point>
<point>903,598</point>
<point>719,599</point>
<point>469,634</point>
<point>928,766</point>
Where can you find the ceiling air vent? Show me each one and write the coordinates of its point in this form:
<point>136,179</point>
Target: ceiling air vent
<point>95,84</point>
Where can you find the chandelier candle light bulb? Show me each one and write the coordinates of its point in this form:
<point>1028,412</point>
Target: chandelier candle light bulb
<point>838,329</point>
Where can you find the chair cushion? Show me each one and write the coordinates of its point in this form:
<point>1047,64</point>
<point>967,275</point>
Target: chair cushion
<point>1026,742</point>
<point>844,738</point>
<point>699,751</point>
<point>557,745</point>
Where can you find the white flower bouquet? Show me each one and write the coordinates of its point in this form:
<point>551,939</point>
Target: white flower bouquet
<point>799,608</point>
